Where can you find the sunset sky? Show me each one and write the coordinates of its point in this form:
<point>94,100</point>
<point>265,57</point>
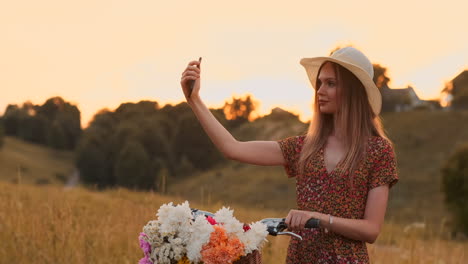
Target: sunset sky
<point>98,54</point>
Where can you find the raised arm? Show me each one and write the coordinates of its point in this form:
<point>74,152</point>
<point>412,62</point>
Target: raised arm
<point>253,152</point>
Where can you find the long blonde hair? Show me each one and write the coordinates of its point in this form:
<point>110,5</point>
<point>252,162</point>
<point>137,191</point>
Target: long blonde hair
<point>354,117</point>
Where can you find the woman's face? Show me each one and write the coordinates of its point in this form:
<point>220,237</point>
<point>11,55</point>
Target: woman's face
<point>327,86</point>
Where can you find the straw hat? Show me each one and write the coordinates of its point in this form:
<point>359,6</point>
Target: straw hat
<point>356,62</point>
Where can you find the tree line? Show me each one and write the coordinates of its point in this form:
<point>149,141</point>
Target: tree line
<point>144,146</point>
<point>138,145</point>
<point>56,123</point>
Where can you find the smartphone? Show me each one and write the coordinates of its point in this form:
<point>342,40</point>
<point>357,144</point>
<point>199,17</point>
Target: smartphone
<point>192,82</point>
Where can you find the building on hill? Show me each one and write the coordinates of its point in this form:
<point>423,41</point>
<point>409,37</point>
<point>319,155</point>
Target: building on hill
<point>431,104</point>
<point>397,100</point>
<point>405,99</point>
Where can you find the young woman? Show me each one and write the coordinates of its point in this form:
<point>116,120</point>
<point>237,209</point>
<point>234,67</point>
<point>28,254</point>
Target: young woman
<point>344,165</point>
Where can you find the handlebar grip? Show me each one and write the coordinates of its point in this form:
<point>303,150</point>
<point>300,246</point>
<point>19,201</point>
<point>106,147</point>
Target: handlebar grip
<point>312,223</point>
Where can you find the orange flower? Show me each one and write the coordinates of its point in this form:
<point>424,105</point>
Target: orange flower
<point>222,248</point>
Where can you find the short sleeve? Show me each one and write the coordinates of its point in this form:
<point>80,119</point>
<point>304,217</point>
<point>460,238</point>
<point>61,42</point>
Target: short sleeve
<point>384,168</point>
<point>291,148</point>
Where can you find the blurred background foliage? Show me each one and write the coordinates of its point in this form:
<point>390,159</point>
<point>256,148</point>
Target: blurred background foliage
<point>455,186</point>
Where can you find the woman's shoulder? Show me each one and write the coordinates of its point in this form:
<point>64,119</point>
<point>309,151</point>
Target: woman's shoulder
<point>297,139</point>
<point>292,142</point>
<point>301,138</point>
<point>378,140</point>
<point>378,144</point>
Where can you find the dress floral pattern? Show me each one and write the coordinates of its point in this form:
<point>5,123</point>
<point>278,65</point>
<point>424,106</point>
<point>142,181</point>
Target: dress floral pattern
<point>320,191</point>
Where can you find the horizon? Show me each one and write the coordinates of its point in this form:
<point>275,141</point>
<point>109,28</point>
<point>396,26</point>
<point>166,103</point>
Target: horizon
<point>254,115</point>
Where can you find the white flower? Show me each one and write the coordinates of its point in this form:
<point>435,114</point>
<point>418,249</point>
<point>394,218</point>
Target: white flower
<point>200,231</point>
<point>177,248</point>
<point>254,237</point>
<point>224,214</point>
<point>172,249</point>
<point>172,219</point>
<point>230,223</point>
<point>151,229</point>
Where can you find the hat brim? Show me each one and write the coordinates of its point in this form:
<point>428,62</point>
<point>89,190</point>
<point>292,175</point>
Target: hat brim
<point>312,66</point>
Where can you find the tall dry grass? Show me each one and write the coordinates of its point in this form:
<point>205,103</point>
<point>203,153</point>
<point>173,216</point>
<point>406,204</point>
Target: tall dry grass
<point>51,224</point>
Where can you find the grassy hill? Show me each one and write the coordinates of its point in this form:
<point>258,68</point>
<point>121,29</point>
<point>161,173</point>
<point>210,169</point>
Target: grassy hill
<point>31,163</point>
<point>423,141</point>
<point>52,224</point>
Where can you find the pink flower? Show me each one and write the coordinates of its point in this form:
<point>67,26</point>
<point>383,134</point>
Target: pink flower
<point>144,245</point>
<point>145,260</point>
<point>211,220</point>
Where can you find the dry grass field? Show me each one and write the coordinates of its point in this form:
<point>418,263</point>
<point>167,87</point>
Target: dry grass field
<point>53,224</point>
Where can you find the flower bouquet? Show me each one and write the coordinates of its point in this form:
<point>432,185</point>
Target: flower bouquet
<point>180,236</point>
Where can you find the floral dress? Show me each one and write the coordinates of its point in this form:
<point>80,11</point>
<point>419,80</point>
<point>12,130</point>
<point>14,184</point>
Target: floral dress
<point>320,191</point>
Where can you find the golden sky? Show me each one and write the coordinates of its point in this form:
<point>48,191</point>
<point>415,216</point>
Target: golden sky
<point>101,53</point>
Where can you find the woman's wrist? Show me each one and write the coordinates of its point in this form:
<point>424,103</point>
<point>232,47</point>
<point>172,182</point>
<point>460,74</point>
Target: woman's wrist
<point>193,100</point>
<point>326,220</point>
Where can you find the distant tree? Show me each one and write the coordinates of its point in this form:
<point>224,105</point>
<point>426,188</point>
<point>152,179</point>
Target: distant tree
<point>191,146</point>
<point>93,165</point>
<point>94,152</point>
<point>2,133</point>
<point>380,76</point>
<point>133,167</point>
<point>193,143</point>
<point>11,119</point>
<point>33,128</point>
<point>104,120</point>
<point>455,187</point>
<point>458,90</point>
<point>131,110</point>
<point>239,110</point>
<point>51,107</point>
<point>157,134</point>
<point>62,116</point>
<point>166,143</point>
<point>176,111</point>
<point>56,136</point>
<point>40,124</point>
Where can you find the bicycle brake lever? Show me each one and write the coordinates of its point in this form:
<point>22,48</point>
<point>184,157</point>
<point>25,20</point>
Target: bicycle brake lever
<point>291,234</point>
<point>276,226</point>
<point>196,212</point>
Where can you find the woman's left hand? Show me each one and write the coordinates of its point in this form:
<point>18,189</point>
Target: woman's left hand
<point>297,219</point>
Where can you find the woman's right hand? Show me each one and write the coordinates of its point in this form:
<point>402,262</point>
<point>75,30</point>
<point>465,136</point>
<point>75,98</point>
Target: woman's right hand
<point>192,72</point>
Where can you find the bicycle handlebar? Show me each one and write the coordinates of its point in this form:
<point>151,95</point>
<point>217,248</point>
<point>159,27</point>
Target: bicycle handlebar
<point>275,226</point>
